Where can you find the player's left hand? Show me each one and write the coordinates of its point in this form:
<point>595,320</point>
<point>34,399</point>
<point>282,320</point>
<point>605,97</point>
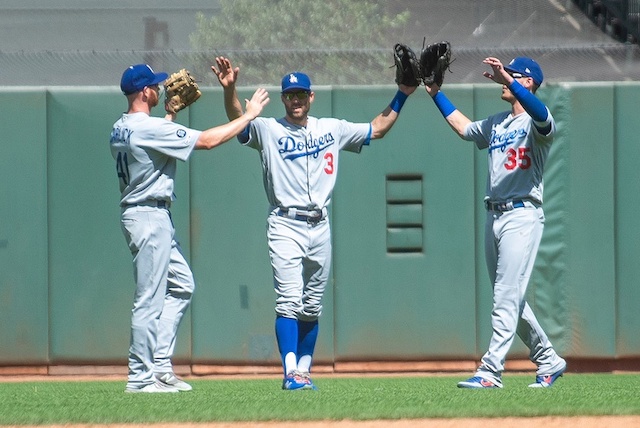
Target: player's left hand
<point>170,106</point>
<point>227,75</point>
<point>499,75</point>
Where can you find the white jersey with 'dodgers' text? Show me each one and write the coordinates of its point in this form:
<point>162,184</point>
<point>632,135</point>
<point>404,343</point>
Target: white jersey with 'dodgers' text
<point>300,164</point>
<point>517,153</point>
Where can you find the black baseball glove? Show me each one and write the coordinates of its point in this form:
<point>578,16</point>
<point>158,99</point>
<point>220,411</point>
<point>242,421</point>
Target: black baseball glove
<point>435,59</point>
<point>407,65</point>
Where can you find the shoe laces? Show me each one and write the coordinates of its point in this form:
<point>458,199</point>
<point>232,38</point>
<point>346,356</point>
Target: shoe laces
<point>306,377</point>
<point>295,374</point>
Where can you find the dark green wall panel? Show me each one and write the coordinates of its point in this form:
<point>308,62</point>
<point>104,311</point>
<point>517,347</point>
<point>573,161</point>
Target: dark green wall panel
<point>24,323</point>
<point>591,213</point>
<point>627,226</point>
<point>400,303</point>
<point>88,301</point>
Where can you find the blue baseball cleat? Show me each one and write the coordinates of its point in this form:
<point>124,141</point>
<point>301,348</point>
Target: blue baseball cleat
<point>478,382</point>
<point>306,378</point>
<point>545,381</point>
<point>296,380</point>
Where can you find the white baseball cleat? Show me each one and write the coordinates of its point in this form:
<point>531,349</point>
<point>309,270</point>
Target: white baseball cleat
<point>171,380</point>
<point>153,388</point>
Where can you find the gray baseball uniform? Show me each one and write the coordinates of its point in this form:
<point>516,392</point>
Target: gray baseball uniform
<point>300,166</point>
<point>514,225</point>
<point>518,143</point>
<point>146,150</point>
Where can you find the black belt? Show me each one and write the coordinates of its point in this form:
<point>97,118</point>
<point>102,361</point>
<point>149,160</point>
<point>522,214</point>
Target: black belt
<point>503,206</point>
<point>151,203</point>
<point>312,217</point>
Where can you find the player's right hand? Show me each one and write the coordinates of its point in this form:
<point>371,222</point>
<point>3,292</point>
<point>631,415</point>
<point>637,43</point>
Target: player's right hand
<point>227,75</point>
<point>257,102</point>
<point>499,75</point>
<point>407,90</point>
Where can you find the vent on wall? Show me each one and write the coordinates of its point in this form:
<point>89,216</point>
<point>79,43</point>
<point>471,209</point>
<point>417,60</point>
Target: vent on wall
<point>405,218</point>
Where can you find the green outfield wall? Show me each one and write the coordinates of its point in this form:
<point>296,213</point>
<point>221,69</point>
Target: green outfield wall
<point>409,280</point>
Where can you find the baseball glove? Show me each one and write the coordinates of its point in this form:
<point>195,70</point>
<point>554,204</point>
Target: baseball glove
<point>435,59</point>
<point>407,65</point>
<point>181,91</point>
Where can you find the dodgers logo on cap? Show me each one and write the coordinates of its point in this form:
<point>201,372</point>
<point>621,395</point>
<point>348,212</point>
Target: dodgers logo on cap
<point>296,81</point>
<point>527,67</point>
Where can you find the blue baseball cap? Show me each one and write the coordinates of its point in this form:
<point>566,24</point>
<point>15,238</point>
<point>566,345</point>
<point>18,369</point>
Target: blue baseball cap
<point>296,81</point>
<point>526,67</point>
<point>136,77</point>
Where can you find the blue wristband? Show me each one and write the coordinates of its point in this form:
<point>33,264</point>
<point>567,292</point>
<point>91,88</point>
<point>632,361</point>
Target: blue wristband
<point>444,105</point>
<point>398,101</point>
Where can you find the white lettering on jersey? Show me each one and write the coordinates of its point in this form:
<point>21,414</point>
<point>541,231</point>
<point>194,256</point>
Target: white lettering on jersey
<point>501,141</point>
<point>291,149</point>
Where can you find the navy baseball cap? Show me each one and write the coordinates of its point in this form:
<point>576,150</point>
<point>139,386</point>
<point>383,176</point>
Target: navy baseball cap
<point>136,77</point>
<point>296,81</point>
<point>526,67</point>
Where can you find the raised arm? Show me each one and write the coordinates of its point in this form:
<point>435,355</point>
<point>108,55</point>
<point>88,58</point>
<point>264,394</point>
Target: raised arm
<point>454,117</point>
<point>213,137</point>
<point>382,123</point>
<point>227,76</point>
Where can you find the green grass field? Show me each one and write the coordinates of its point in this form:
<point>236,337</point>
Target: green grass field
<point>363,398</point>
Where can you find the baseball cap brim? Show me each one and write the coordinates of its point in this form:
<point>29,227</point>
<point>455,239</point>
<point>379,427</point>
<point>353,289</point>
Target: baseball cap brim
<point>296,88</point>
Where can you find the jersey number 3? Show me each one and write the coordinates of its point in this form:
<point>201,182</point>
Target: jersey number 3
<point>329,168</point>
<point>518,158</point>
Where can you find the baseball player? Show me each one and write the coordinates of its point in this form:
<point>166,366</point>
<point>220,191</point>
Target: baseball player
<point>146,149</point>
<point>299,155</point>
<point>518,142</point>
